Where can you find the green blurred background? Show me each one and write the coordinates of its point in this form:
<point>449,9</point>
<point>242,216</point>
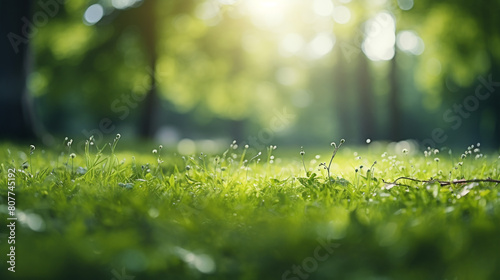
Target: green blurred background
<point>297,72</point>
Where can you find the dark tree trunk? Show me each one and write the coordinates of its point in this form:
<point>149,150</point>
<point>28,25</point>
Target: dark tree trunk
<point>16,112</point>
<point>237,128</point>
<point>148,122</point>
<point>341,100</point>
<point>394,107</point>
<point>366,101</point>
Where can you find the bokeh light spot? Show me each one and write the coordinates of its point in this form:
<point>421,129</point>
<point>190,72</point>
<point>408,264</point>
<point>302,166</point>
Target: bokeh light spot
<point>124,4</point>
<point>291,44</point>
<point>380,37</point>
<point>405,5</point>
<point>93,14</point>
<point>323,7</point>
<point>186,147</point>
<point>321,45</point>
<point>409,41</point>
<point>341,14</point>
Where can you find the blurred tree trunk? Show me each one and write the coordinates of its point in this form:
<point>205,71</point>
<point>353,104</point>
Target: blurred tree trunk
<point>148,25</point>
<point>16,112</point>
<point>366,101</point>
<point>237,128</point>
<point>494,100</point>
<point>394,107</point>
<point>489,18</point>
<point>341,102</point>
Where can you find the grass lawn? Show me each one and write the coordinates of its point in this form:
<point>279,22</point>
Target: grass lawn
<point>114,214</point>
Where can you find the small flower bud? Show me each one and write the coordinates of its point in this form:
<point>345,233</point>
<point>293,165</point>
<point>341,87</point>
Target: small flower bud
<point>72,155</point>
<point>118,136</point>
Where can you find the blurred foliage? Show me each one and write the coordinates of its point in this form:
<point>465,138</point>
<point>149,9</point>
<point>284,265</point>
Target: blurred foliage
<point>239,61</point>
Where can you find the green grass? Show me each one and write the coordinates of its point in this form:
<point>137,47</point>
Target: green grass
<point>240,216</point>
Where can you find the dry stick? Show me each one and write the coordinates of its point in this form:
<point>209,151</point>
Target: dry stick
<point>442,183</point>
